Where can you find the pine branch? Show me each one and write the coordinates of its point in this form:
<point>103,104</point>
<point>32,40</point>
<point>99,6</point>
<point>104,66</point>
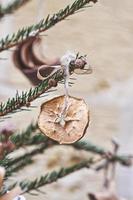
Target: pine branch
<point>35,151</point>
<point>17,102</point>
<point>30,137</point>
<point>27,138</point>
<point>19,165</point>
<point>10,8</point>
<point>33,140</point>
<point>53,176</point>
<point>27,186</point>
<point>87,146</point>
<point>9,162</point>
<point>43,25</point>
<point>14,164</point>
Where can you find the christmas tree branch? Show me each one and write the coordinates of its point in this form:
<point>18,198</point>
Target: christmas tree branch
<point>43,25</point>
<point>31,136</point>
<point>27,138</point>
<point>14,164</point>
<point>10,8</point>
<point>17,102</point>
<point>19,165</point>
<point>87,146</point>
<point>53,176</point>
<point>35,151</point>
<point>9,162</point>
<point>27,186</point>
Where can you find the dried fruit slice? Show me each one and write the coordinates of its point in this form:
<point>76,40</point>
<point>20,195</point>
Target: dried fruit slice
<point>71,127</point>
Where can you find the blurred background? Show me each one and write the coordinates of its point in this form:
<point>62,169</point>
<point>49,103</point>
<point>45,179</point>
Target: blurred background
<point>105,33</point>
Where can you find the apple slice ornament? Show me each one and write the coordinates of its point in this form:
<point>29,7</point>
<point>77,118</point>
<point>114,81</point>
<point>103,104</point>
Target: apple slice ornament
<point>68,127</point>
<point>64,118</point>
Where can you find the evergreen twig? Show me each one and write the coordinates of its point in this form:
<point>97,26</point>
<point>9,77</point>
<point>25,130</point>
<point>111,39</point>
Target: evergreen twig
<point>9,162</point>
<point>10,8</point>
<point>14,164</point>
<point>35,151</point>
<point>87,146</point>
<point>17,102</point>
<point>19,165</point>
<point>27,138</point>
<point>27,186</point>
<point>30,137</point>
<point>26,32</point>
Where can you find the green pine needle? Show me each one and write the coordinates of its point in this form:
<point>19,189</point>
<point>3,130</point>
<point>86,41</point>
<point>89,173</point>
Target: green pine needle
<point>26,32</point>
<point>87,146</point>
<point>27,137</point>
<point>48,178</point>
<point>10,8</point>
<point>19,101</point>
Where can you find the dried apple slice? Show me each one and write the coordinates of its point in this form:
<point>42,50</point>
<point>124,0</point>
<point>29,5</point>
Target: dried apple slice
<point>69,128</point>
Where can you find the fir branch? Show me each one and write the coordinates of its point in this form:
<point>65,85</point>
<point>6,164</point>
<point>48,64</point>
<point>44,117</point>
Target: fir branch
<point>10,8</point>
<point>17,102</point>
<point>19,165</point>
<point>27,186</point>
<point>33,140</point>
<point>14,164</point>
<point>38,138</point>
<point>87,146</point>
<point>53,176</point>
<point>9,162</point>
<point>26,137</point>
<point>43,25</point>
<point>35,151</point>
